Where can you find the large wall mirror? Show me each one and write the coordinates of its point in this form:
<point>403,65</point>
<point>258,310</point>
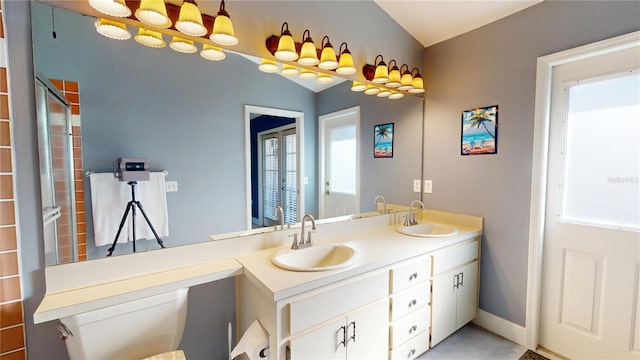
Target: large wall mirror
<point>188,116</point>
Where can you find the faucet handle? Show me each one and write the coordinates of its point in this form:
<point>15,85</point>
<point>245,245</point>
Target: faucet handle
<point>309,241</point>
<point>294,244</point>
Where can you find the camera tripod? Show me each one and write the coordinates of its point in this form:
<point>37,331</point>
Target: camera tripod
<point>131,205</point>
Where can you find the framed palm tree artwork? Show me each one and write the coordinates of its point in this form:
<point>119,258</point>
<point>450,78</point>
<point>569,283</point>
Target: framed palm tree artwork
<point>383,141</point>
<point>480,131</point>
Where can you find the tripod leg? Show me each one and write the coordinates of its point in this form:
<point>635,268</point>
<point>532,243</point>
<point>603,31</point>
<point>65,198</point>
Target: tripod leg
<point>149,223</point>
<point>124,218</point>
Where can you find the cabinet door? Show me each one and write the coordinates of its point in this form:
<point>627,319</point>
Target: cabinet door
<point>368,332</point>
<point>443,306</point>
<point>467,294</point>
<point>323,342</point>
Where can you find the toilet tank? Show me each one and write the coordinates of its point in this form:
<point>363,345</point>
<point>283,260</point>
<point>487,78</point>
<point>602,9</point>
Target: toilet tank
<point>132,330</point>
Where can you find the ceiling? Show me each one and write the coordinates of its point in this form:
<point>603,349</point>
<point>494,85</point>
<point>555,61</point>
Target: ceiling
<point>433,21</point>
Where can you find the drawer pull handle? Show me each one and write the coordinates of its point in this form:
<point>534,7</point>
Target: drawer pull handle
<point>413,302</point>
<point>413,276</point>
<point>344,336</point>
<point>352,337</point>
<point>411,353</point>
<point>413,328</point>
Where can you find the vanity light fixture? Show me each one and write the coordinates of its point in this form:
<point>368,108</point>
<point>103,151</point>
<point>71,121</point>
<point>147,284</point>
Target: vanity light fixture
<point>213,53</point>
<point>222,32</point>
<point>406,81</point>
<point>116,8</point>
<point>268,66</point>
<point>328,59</point>
<point>358,86</point>
<point>183,45</point>
<point>418,85</point>
<point>150,38</point>
<point>308,52</point>
<point>384,92</point>
<point>289,70</point>
<point>307,74</point>
<point>286,46</point>
<point>394,75</point>
<point>324,78</point>
<point>190,19</point>
<point>153,13</point>
<point>372,90</point>
<point>345,65</point>
<point>112,29</point>
<point>395,95</point>
<point>381,75</point>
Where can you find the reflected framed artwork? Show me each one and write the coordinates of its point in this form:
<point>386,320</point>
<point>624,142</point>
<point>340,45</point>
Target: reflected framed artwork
<point>383,141</point>
<point>479,131</point>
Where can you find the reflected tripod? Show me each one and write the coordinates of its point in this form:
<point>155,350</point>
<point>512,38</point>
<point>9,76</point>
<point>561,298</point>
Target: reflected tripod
<point>131,205</point>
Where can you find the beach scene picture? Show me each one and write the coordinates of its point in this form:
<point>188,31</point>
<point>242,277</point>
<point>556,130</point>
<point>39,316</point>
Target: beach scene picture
<point>383,141</point>
<point>480,131</point>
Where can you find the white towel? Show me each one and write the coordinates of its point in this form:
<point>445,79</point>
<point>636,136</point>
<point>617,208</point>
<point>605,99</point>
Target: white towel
<point>109,199</point>
<point>153,197</point>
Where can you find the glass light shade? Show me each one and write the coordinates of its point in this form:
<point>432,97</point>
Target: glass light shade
<point>324,78</point>
<point>345,65</point>
<point>289,70</point>
<point>190,20</point>
<point>372,90</point>
<point>382,74</point>
<point>153,13</point>
<point>358,86</point>
<point>112,29</point>
<point>396,95</point>
<point>222,32</point>
<point>150,38</point>
<point>328,59</point>
<point>406,82</point>
<point>307,74</point>
<point>183,45</point>
<point>394,78</point>
<point>308,54</point>
<point>286,48</point>
<point>418,86</point>
<point>384,93</point>
<point>213,53</point>
<point>268,66</point>
<point>116,8</point>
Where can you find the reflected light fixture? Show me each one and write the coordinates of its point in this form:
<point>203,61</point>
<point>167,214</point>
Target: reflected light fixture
<point>406,81</point>
<point>286,46</point>
<point>150,38</point>
<point>345,65</point>
<point>183,45</point>
<point>328,59</point>
<point>384,93</point>
<point>190,19</point>
<point>116,8</point>
<point>372,90</point>
<point>112,29</point>
<point>213,53</point>
<point>381,75</point>
<point>268,66</point>
<point>418,85</point>
<point>308,52</point>
<point>394,75</point>
<point>307,74</point>
<point>396,95</point>
<point>153,13</point>
<point>222,32</point>
<point>289,70</point>
<point>324,78</point>
<point>358,86</point>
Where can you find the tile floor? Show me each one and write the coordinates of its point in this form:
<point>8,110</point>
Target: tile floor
<point>474,342</point>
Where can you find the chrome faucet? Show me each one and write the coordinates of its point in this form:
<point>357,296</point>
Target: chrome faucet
<point>411,219</point>
<point>280,213</point>
<point>308,242</point>
<point>384,203</point>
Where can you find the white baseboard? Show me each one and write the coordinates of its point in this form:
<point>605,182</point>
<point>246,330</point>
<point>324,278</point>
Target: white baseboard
<point>502,327</point>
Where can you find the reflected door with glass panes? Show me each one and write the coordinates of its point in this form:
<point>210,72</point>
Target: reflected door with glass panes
<point>279,177</point>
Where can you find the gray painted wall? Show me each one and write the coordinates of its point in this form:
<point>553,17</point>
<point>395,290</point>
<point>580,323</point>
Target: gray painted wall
<point>496,64</point>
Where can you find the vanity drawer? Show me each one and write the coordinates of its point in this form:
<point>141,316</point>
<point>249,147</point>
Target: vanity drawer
<point>409,300</point>
<point>454,256</point>
<point>409,273</point>
<point>321,306</point>
<point>408,326</point>
<point>412,348</point>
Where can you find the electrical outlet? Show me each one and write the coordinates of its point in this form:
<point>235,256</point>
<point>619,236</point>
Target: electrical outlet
<point>416,185</point>
<point>171,186</point>
<point>428,184</point>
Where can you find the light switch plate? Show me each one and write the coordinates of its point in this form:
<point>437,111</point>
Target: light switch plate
<point>428,186</point>
<point>171,186</point>
<point>416,185</point>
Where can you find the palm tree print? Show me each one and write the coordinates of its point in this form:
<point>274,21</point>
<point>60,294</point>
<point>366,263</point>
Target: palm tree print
<point>481,116</point>
<point>383,132</point>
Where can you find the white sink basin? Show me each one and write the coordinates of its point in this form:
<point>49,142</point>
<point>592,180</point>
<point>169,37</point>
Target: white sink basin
<point>428,230</point>
<point>316,258</point>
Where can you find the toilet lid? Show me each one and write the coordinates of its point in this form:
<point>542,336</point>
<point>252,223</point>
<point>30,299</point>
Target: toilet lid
<point>172,355</point>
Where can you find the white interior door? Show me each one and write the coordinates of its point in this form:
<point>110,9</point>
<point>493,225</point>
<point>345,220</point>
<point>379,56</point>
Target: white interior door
<point>590,303</point>
<point>339,193</point>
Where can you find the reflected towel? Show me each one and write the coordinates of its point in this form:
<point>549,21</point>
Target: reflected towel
<point>153,198</point>
<point>109,199</point>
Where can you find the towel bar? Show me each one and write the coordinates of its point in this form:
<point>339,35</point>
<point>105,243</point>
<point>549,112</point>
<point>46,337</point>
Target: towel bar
<point>89,173</point>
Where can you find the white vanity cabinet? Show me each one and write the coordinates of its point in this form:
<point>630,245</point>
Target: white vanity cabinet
<point>454,300</point>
